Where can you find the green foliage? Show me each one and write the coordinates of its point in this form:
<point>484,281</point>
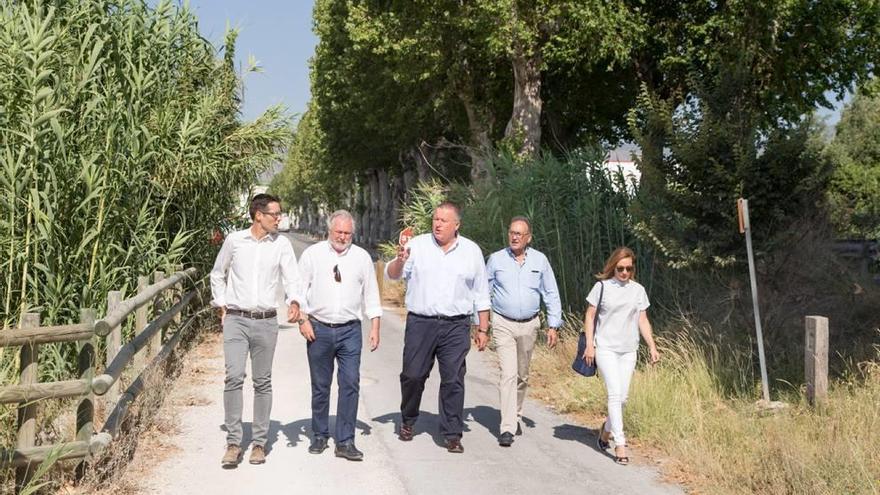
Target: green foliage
<point>854,192</point>
<point>578,213</point>
<point>721,116</point>
<point>578,210</point>
<point>120,149</point>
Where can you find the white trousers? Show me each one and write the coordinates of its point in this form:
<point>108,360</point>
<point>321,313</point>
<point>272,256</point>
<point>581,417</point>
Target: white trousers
<point>616,369</point>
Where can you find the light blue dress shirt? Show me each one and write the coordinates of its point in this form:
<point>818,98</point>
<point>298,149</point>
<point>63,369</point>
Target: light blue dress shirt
<point>448,284</point>
<point>517,290</point>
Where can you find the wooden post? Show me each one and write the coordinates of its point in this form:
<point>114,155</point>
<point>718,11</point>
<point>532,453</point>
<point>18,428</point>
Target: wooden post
<point>158,306</point>
<point>27,413</point>
<point>140,321</point>
<point>380,278</point>
<point>85,410</point>
<point>176,293</point>
<point>114,342</point>
<point>816,358</point>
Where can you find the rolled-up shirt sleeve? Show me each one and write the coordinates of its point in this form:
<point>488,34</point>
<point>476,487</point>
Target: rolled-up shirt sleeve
<point>550,293</point>
<point>372,298</point>
<point>482,301</point>
<point>290,277</point>
<point>218,274</point>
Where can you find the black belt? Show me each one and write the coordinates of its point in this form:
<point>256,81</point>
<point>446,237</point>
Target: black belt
<point>442,317</point>
<point>254,315</point>
<point>334,325</point>
<point>525,320</point>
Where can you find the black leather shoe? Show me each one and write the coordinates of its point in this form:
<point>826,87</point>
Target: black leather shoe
<point>349,451</point>
<point>506,439</point>
<point>405,433</point>
<point>518,428</point>
<point>454,446</point>
<point>319,444</point>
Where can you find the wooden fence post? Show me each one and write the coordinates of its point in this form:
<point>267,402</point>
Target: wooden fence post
<point>140,321</point>
<point>816,358</point>
<point>85,410</point>
<point>114,342</point>
<point>27,413</point>
<point>175,293</point>
<point>158,306</point>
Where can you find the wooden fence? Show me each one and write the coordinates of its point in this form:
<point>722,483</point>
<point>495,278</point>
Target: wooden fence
<point>145,350</point>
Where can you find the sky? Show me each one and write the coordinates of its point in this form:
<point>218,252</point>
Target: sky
<point>278,34</point>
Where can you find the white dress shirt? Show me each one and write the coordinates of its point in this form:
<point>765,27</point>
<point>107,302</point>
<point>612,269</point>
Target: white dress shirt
<point>448,284</point>
<point>246,273</point>
<point>329,301</point>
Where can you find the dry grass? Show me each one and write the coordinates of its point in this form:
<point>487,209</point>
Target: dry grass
<point>719,444</point>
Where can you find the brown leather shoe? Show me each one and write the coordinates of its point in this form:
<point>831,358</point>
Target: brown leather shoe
<point>232,456</point>
<point>405,433</point>
<point>454,446</point>
<point>258,455</point>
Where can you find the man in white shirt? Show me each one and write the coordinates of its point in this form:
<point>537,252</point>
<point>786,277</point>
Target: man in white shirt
<point>446,281</point>
<point>243,284</point>
<point>338,280</point>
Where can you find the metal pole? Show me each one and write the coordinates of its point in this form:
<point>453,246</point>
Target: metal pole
<point>744,209</point>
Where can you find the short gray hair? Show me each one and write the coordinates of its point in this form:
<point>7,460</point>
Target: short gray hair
<point>523,219</point>
<point>339,214</point>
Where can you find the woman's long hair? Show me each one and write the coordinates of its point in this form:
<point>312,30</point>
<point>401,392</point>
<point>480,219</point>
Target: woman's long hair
<point>618,254</point>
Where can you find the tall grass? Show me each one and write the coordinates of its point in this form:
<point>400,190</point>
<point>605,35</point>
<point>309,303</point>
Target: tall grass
<point>704,418</point>
<point>121,150</point>
<point>577,209</point>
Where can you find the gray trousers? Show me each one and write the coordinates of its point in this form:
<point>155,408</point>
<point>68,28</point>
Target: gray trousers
<point>240,337</point>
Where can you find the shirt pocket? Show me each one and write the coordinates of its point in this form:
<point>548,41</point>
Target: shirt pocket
<point>533,279</point>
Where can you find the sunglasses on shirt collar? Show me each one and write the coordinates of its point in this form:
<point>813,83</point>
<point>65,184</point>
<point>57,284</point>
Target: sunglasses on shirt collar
<point>336,275</point>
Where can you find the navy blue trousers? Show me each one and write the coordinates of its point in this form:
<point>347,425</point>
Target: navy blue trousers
<point>448,342</point>
<point>335,345</point>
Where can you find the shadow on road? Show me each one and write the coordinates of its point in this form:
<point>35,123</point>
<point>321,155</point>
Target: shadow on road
<point>586,436</point>
<point>295,431</point>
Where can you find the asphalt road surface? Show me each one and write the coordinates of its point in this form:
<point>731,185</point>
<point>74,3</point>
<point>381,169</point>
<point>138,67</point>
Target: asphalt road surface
<point>553,456</point>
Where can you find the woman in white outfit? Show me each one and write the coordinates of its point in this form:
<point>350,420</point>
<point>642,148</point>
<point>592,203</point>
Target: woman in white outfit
<point>622,316</point>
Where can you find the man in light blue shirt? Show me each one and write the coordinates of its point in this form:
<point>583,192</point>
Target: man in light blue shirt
<point>519,277</point>
<point>446,281</point>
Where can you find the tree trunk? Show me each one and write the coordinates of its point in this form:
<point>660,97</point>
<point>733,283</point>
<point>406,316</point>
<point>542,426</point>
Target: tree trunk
<point>524,127</point>
<point>375,217</point>
<point>480,122</point>
<point>385,208</point>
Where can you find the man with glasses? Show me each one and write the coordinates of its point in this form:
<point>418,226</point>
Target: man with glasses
<point>338,279</point>
<point>519,278</point>
<point>445,282</point>
<point>243,285</point>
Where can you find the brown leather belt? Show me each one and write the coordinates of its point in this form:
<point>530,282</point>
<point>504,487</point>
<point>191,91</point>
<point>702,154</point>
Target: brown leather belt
<point>253,315</point>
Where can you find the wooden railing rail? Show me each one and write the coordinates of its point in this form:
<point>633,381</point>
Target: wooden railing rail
<point>128,306</point>
<point>126,353</point>
<point>148,336</point>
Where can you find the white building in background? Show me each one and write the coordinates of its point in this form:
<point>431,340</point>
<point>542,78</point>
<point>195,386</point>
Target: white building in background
<point>627,167</point>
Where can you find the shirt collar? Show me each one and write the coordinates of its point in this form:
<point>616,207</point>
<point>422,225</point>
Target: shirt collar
<point>510,252</point>
<point>334,251</point>
<point>451,248</point>
<point>268,237</point>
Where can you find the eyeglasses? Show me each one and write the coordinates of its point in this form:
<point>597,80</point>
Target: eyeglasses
<point>336,275</point>
<point>517,235</point>
<point>273,214</point>
<point>627,269</point>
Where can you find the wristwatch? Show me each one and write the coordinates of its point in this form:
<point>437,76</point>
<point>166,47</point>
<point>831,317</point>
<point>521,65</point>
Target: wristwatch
<point>480,330</point>
<point>300,321</point>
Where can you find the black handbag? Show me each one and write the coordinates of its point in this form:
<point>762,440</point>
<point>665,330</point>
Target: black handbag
<point>579,364</point>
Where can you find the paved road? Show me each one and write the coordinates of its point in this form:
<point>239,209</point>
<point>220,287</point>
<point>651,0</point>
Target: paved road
<point>554,456</point>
